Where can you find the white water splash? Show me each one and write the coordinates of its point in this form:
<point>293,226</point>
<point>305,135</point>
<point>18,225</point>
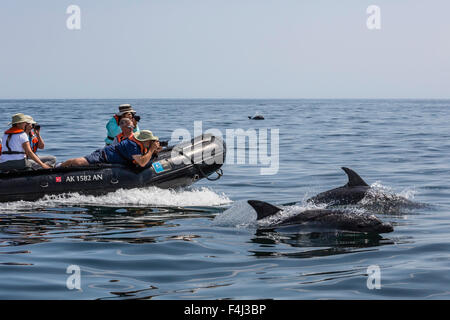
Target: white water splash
<point>378,190</point>
<point>384,199</point>
<point>150,196</point>
<point>284,214</point>
<point>240,215</point>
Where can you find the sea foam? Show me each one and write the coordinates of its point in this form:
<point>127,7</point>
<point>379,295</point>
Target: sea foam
<point>150,196</point>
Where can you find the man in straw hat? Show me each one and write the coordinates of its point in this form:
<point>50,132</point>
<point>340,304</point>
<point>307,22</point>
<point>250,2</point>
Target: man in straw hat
<point>16,146</point>
<point>113,128</point>
<point>136,150</point>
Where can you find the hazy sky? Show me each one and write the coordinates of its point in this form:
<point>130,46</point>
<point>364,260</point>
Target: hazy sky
<point>224,49</point>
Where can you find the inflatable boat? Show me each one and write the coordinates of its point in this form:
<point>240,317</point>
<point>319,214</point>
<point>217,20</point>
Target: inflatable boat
<point>173,167</point>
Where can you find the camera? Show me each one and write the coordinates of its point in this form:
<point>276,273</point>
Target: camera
<point>137,118</point>
<point>37,127</point>
<point>164,143</point>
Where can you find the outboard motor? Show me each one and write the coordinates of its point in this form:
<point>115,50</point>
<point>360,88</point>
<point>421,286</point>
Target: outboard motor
<point>206,153</point>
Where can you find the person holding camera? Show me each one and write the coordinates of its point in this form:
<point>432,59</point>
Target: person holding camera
<point>33,130</point>
<point>16,146</point>
<point>137,150</point>
<point>113,128</point>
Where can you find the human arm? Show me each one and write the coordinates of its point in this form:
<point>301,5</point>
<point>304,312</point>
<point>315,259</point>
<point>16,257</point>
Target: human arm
<point>41,143</point>
<point>30,154</point>
<point>113,128</point>
<point>143,160</point>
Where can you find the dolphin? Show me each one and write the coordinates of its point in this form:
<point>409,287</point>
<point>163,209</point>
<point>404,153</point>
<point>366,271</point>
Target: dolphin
<point>324,217</point>
<point>257,117</point>
<point>353,192</point>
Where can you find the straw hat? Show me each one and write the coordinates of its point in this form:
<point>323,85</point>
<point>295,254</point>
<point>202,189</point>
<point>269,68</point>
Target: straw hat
<point>124,108</point>
<point>19,118</point>
<point>145,135</point>
<point>30,119</point>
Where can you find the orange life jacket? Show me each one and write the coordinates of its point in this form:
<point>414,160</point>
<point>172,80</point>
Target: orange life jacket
<point>144,150</point>
<point>117,118</point>
<point>10,132</point>
<point>120,137</point>
<point>14,130</point>
<point>34,141</point>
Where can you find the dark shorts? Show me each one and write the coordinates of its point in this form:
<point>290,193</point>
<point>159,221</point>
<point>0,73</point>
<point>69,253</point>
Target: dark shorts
<point>98,156</point>
<point>23,164</point>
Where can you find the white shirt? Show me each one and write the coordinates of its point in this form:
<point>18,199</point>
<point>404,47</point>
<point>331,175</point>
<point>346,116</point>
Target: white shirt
<point>16,142</point>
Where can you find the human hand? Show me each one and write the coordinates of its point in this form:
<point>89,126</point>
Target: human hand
<point>155,146</point>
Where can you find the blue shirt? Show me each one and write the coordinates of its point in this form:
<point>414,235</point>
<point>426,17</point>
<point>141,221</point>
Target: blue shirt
<point>123,152</point>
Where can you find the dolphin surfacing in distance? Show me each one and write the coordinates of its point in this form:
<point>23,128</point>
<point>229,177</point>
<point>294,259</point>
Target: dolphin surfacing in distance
<point>353,192</point>
<point>324,217</point>
<point>257,117</point>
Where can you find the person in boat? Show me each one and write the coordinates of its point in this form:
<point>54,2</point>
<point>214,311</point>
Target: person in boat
<point>138,149</point>
<point>37,142</point>
<point>113,128</point>
<point>16,146</point>
<point>127,127</point>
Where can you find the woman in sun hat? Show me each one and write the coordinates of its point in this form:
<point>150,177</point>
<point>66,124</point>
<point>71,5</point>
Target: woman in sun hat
<point>113,128</point>
<point>16,147</point>
<point>136,150</point>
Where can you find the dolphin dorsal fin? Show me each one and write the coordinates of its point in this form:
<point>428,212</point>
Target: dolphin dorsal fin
<point>354,180</point>
<point>263,209</point>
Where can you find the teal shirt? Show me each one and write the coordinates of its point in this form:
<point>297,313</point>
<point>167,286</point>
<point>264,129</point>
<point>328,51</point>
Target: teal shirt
<point>113,130</point>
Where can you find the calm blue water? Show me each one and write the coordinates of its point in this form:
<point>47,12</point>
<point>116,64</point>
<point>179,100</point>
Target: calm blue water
<point>200,243</point>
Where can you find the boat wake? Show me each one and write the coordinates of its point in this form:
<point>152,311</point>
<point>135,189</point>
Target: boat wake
<point>149,196</point>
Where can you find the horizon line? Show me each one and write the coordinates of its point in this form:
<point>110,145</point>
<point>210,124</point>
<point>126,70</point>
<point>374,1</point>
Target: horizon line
<point>448,98</point>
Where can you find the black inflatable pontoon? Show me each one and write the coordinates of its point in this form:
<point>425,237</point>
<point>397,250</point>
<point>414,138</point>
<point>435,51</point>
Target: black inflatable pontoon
<point>174,167</point>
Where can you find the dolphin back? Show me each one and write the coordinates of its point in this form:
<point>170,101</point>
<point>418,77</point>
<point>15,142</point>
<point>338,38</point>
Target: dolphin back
<point>354,180</point>
<point>351,193</point>
<point>263,209</point>
<point>338,219</point>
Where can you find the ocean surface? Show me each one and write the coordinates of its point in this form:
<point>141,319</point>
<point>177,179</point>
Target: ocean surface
<point>203,242</point>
